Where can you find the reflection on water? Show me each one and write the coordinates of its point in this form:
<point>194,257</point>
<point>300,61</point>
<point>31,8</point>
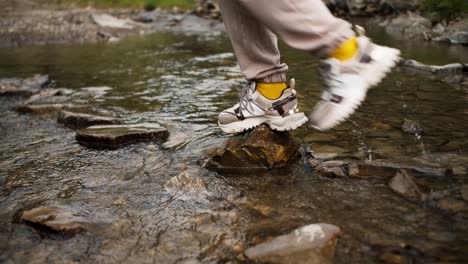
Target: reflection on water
<point>183,82</point>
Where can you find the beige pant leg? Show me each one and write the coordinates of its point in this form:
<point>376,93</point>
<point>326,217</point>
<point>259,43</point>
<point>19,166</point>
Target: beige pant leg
<point>255,46</point>
<point>302,24</point>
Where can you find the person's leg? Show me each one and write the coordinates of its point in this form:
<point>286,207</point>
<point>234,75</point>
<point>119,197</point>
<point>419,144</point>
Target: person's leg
<point>352,65</point>
<point>254,44</point>
<point>302,24</point>
<point>266,98</point>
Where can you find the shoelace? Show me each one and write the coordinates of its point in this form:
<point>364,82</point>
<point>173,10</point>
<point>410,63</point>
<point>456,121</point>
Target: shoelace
<point>243,97</point>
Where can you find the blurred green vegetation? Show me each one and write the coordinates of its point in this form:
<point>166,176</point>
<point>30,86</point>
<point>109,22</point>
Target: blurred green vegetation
<point>447,8</point>
<point>147,4</point>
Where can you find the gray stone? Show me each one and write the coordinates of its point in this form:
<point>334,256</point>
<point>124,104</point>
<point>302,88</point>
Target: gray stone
<point>23,87</point>
<point>406,185</point>
<point>145,17</point>
<point>114,136</point>
<point>410,25</point>
<point>105,20</point>
<point>42,109</point>
<point>260,148</point>
<point>312,244</point>
<point>438,29</point>
<point>412,127</point>
<point>79,120</point>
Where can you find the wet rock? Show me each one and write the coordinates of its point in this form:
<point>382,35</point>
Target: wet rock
<point>324,156</point>
<point>187,181</point>
<point>452,204</point>
<point>438,29</point>
<point>42,109</point>
<point>261,148</point>
<point>114,136</point>
<point>412,127</point>
<point>312,244</point>
<point>105,20</point>
<point>145,17</point>
<point>328,149</point>
<point>49,96</point>
<point>464,192</point>
<point>449,69</point>
<point>58,218</point>
<point>372,169</point>
<point>406,185</point>
<point>410,25</point>
<point>23,87</point>
<point>333,168</point>
<point>79,120</point>
<point>456,33</point>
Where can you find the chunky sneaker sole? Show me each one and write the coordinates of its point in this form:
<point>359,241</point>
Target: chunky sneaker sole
<point>278,123</point>
<point>254,109</point>
<point>337,107</point>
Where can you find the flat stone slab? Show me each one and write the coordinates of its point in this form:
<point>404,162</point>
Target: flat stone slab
<point>23,87</point>
<point>114,136</point>
<point>261,148</point>
<point>79,120</point>
<point>312,244</point>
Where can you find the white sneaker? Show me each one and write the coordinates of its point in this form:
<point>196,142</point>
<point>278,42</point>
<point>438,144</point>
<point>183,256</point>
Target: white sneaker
<point>254,109</point>
<point>347,82</point>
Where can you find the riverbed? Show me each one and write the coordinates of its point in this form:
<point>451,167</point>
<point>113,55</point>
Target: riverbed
<point>183,81</point>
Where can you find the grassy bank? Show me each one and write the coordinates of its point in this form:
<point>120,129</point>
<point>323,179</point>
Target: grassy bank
<point>447,8</point>
<point>150,4</point>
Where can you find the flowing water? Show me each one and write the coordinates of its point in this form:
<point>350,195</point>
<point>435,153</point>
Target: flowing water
<point>183,81</point>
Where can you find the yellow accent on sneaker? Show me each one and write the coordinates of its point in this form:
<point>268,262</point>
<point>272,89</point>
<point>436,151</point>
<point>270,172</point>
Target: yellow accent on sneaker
<point>346,50</point>
<point>271,91</point>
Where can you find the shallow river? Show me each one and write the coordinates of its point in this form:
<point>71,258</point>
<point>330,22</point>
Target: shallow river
<point>183,81</point>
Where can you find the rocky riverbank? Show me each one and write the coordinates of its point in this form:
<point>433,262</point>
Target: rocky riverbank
<point>36,24</point>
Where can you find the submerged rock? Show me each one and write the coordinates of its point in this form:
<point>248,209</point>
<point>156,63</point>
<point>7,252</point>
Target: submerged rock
<point>58,218</point>
<point>42,109</point>
<point>79,120</point>
<point>187,182</point>
<point>114,136</point>
<point>406,185</point>
<point>412,127</point>
<point>341,168</point>
<point>261,148</point>
<point>452,204</point>
<point>23,87</point>
<point>312,244</point>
